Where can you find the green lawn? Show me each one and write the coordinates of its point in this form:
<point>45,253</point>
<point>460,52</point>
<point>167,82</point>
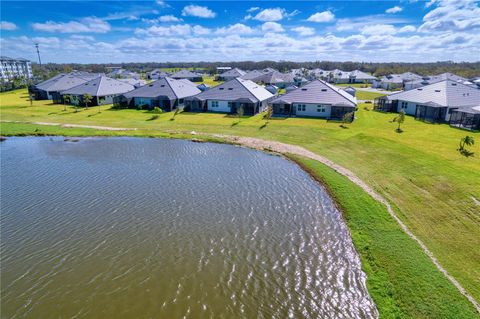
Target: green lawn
<point>419,171</point>
<point>367,95</point>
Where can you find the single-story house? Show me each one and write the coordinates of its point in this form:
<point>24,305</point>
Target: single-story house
<point>432,103</point>
<point>315,99</point>
<point>102,89</point>
<point>229,96</point>
<point>231,74</point>
<point>50,89</point>
<point>350,90</point>
<point>156,74</point>
<point>426,80</point>
<point>189,75</point>
<point>276,78</point>
<point>166,93</point>
<point>395,81</point>
<point>252,75</point>
<point>119,73</point>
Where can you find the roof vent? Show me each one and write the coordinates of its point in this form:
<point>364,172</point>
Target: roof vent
<point>437,91</point>
<point>162,86</point>
<point>230,89</point>
<point>454,84</point>
<point>324,90</point>
<point>419,89</point>
<point>304,89</point>
<point>220,88</point>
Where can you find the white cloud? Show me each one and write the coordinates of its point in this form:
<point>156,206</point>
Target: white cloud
<point>198,11</point>
<point>272,27</point>
<point>162,3</point>
<point>355,24</point>
<point>325,16</point>
<point>407,28</point>
<point>452,16</point>
<point>253,9</point>
<point>169,18</point>
<point>82,37</point>
<point>90,25</point>
<point>275,14</point>
<point>395,9</point>
<point>173,30</point>
<point>378,29</point>
<point>237,28</point>
<point>304,31</point>
<point>8,26</point>
<point>199,30</point>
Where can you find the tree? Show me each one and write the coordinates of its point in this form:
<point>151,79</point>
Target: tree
<point>66,100</point>
<point>178,110</point>
<point>347,118</point>
<point>30,98</point>
<point>87,98</point>
<point>400,118</point>
<point>466,141</point>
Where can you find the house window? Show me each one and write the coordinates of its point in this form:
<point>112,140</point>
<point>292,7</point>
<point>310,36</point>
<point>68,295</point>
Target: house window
<point>404,105</point>
<point>301,107</point>
<point>321,108</point>
<point>214,103</point>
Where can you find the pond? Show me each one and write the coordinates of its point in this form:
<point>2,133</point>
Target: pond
<point>153,228</point>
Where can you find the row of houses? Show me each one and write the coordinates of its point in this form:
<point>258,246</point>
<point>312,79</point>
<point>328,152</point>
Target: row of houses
<point>409,80</point>
<point>446,101</point>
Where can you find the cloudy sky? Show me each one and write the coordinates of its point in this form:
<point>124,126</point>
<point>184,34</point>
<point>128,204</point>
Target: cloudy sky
<point>140,31</point>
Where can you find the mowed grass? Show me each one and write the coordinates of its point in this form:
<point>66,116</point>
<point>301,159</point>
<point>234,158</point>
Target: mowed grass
<point>400,279</point>
<point>367,95</point>
<point>430,184</point>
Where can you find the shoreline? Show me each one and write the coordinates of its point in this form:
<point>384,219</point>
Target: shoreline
<point>290,152</point>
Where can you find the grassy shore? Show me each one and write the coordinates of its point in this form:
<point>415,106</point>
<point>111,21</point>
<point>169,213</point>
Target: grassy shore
<point>433,188</point>
<point>400,276</point>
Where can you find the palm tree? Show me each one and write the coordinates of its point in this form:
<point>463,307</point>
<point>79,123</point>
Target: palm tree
<point>66,100</point>
<point>347,118</point>
<point>87,98</point>
<point>467,140</point>
<point>400,118</point>
<point>268,114</point>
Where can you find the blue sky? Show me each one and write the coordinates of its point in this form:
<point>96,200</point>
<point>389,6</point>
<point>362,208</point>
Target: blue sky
<point>141,31</point>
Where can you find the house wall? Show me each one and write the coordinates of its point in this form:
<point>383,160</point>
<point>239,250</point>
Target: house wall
<point>410,109</point>
<point>314,110</point>
<point>143,101</point>
<point>107,99</point>
<point>222,106</point>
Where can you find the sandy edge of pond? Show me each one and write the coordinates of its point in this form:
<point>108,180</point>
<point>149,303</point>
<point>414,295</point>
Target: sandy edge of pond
<point>284,148</point>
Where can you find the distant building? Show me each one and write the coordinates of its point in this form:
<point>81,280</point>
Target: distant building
<point>231,74</point>
<point>188,75</point>
<point>395,81</point>
<point>14,68</point>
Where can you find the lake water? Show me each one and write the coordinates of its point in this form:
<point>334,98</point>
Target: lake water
<point>151,228</point>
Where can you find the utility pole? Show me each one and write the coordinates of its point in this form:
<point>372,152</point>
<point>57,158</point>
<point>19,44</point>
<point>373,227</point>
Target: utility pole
<point>38,53</point>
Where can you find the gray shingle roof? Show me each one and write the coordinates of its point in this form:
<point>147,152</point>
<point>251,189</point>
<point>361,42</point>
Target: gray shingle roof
<point>100,86</point>
<point>185,74</point>
<point>437,78</point>
<point>252,74</point>
<point>318,92</point>
<point>274,77</point>
<point>234,90</point>
<point>444,93</point>
<point>233,72</point>
<point>171,88</point>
